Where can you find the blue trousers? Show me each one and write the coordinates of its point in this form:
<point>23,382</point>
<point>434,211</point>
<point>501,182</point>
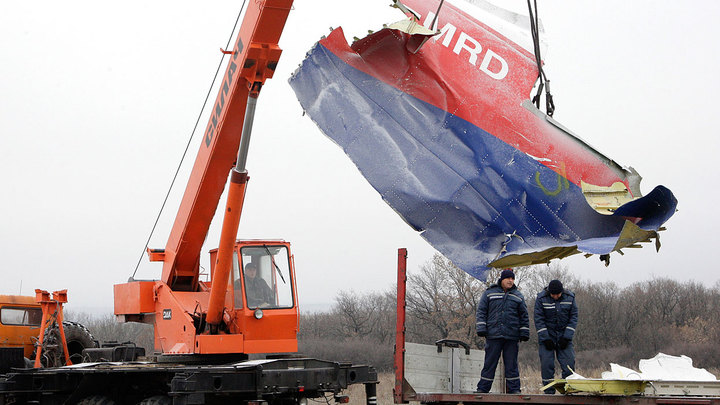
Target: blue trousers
<point>509,350</point>
<point>566,358</point>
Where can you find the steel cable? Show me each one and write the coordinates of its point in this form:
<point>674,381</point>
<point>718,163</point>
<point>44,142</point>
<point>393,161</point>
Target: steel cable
<point>544,82</point>
<point>187,146</point>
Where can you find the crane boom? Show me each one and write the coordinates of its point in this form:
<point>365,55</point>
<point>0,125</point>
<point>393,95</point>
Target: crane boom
<point>221,315</point>
<point>253,60</point>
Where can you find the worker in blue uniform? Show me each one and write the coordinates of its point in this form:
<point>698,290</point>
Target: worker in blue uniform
<point>556,317</point>
<point>502,318</point>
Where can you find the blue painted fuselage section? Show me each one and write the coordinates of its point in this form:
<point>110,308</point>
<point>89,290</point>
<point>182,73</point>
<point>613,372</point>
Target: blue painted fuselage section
<point>472,196</point>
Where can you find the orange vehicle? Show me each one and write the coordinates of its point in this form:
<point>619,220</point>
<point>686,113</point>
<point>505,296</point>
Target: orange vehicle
<point>216,317</point>
<point>58,342</point>
<point>205,329</point>
<point>20,318</point>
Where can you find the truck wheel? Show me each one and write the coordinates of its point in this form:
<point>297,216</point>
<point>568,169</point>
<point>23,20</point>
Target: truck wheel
<point>78,338</point>
<point>96,400</point>
<point>156,400</point>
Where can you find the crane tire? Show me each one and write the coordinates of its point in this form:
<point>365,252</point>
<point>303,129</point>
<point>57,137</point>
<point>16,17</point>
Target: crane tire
<point>157,400</point>
<point>78,337</point>
<point>96,400</point>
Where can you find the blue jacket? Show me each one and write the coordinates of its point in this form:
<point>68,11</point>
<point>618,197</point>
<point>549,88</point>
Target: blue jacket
<point>503,314</point>
<point>555,318</point>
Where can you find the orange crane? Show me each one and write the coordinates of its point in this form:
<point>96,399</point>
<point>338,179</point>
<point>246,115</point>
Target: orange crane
<point>219,316</point>
<point>206,329</point>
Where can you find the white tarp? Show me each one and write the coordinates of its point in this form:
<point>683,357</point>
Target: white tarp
<point>662,367</point>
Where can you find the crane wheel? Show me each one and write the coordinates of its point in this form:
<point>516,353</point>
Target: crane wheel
<point>157,400</point>
<point>96,400</point>
<point>78,338</point>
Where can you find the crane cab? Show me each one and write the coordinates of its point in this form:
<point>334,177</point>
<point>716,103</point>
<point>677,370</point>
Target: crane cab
<point>263,296</point>
<point>260,313</point>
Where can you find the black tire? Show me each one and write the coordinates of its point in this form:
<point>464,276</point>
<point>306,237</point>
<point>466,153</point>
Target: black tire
<point>96,400</point>
<point>157,400</point>
<point>78,338</point>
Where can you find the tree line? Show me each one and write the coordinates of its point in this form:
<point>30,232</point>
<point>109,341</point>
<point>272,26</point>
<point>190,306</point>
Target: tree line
<point>616,324</point>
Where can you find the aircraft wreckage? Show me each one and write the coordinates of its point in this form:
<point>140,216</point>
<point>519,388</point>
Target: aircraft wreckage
<point>440,123</point>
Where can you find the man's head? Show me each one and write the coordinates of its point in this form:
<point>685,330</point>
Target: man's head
<point>507,279</point>
<point>555,288</point>
<point>250,270</point>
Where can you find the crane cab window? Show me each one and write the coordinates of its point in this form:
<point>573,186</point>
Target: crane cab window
<point>20,316</point>
<point>266,277</point>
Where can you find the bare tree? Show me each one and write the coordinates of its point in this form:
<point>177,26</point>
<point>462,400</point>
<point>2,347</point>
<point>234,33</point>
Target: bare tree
<point>441,302</point>
<point>356,316</point>
<point>536,278</point>
<point>615,324</point>
<point>598,324</point>
<point>106,328</point>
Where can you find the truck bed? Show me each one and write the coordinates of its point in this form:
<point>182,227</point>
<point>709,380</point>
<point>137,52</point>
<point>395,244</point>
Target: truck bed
<point>130,383</point>
<point>447,399</point>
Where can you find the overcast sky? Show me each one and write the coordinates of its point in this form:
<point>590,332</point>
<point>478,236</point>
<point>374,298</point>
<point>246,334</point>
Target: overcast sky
<point>98,99</point>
